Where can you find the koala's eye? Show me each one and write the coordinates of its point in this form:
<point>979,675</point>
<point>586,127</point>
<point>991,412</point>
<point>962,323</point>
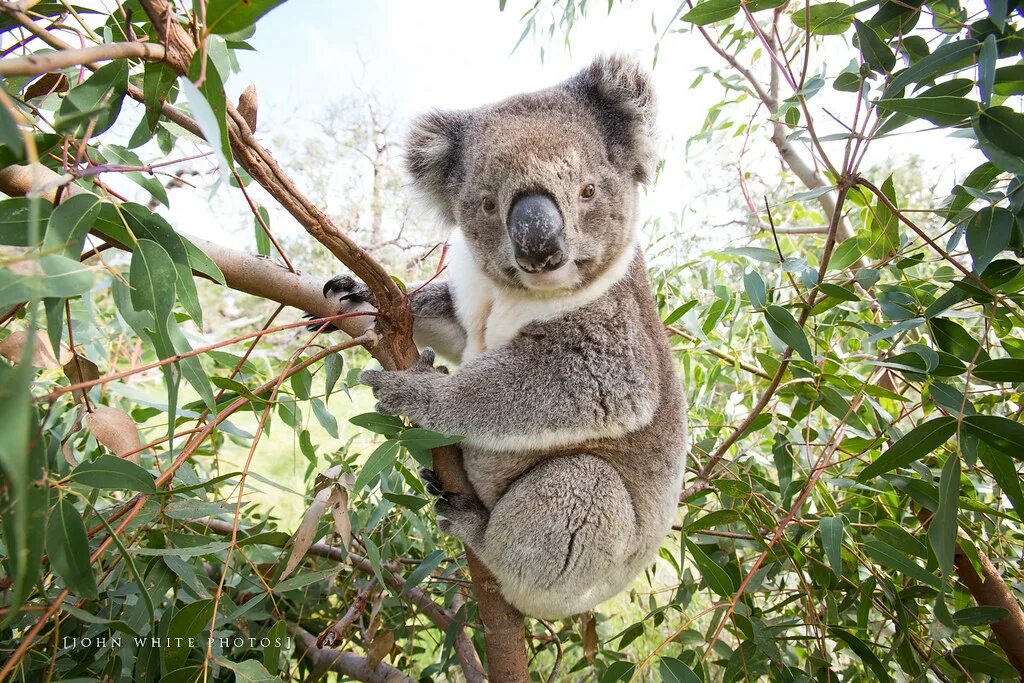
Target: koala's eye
<point>489,205</point>
<point>588,191</point>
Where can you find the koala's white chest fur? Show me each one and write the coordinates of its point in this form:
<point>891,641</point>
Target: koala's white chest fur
<point>492,315</point>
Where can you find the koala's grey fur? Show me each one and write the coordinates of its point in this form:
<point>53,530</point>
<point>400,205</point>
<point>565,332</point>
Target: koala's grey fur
<point>574,421</point>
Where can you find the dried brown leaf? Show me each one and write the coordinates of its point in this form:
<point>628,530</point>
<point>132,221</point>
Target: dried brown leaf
<point>342,523</point>
<point>13,346</point>
<point>80,370</point>
<point>380,646</point>
<point>116,430</point>
<point>303,536</point>
<point>47,84</point>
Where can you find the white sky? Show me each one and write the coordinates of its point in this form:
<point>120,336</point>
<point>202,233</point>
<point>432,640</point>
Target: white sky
<point>459,53</point>
<point>450,54</point>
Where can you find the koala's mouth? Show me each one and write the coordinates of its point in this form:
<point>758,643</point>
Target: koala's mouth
<point>565,277</point>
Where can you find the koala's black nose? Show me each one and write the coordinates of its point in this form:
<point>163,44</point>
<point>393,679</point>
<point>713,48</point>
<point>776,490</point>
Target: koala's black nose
<point>536,229</point>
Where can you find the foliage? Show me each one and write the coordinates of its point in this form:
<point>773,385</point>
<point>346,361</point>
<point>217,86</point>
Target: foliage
<point>855,396</point>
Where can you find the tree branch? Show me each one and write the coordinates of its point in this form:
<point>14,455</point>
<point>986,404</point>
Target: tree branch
<point>440,617</point>
<point>988,588</point>
<point>39,64</point>
<point>345,663</point>
<point>503,625</point>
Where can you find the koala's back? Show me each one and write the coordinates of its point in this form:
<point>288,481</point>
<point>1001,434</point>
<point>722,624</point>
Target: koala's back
<point>620,329</point>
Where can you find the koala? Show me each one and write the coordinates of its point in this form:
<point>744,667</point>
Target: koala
<point>573,419</point>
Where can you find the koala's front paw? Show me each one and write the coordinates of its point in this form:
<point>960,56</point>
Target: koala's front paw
<point>431,481</point>
<point>407,392</point>
<point>425,363</point>
<point>353,297</point>
<point>462,516</point>
<point>350,289</point>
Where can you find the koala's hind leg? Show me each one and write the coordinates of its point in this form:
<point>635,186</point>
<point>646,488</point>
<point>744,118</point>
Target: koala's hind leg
<point>562,537</point>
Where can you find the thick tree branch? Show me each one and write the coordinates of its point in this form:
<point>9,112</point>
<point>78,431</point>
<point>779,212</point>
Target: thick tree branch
<point>345,663</point>
<point>39,64</point>
<point>989,589</point>
<point>503,625</point>
<point>243,272</point>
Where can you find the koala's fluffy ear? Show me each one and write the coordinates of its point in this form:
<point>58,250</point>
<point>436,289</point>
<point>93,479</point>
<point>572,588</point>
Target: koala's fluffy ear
<point>619,91</point>
<point>432,156</point>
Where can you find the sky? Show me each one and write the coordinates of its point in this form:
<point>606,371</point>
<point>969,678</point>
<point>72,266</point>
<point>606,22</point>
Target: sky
<point>417,56</point>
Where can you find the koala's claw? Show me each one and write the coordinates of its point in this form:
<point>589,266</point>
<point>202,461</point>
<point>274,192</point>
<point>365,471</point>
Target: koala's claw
<point>351,289</point>
<point>432,482</point>
<point>461,516</point>
<point>394,393</point>
<point>425,363</point>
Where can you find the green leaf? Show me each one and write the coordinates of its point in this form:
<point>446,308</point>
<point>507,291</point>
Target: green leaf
<point>620,670</point>
<point>756,290</point>
<point>944,59</point>
<point>68,549</point>
<point>57,277</point>
<point>152,270</point>
<point>272,656</point>
<point>232,16</point>
<point>324,417</point>
<point>423,569</point>
<point>942,531</point>
<point>863,650</point>
<point>333,366</point>
<point>191,621</point>
<point>1005,128</point>
<point>111,473</point>
<point>873,49</point>
<point>785,328</point>
<point>988,233</point>
<point>837,292</point>
<point>69,223</point>
<point>987,69</point>
<point>23,500</point>
<point>916,444</point>
<point>710,11</point>
<point>382,458</point>
<point>824,19</point>
<point>888,557</point>
<point>251,670</point>
<point>99,98</point>
<point>157,80</point>
<point>149,183</point>
<point>262,238</point>
<point>424,439</point>
<point>713,519</point>
<point>303,580</point>
<point>209,122</point>
<point>942,111</point>
<point>979,616</point>
<point>674,670</point>
<point>10,134</point>
<point>999,432</point>
<point>1009,80</point>
<point>718,579</point>
<point>831,529</point>
<point>388,425</point>
<point>952,338</point>
<point>1001,467</point>
<point>18,226</point>
<point>978,659</point>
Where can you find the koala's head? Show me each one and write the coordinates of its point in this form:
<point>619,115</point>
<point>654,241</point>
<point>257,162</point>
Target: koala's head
<point>544,185</point>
